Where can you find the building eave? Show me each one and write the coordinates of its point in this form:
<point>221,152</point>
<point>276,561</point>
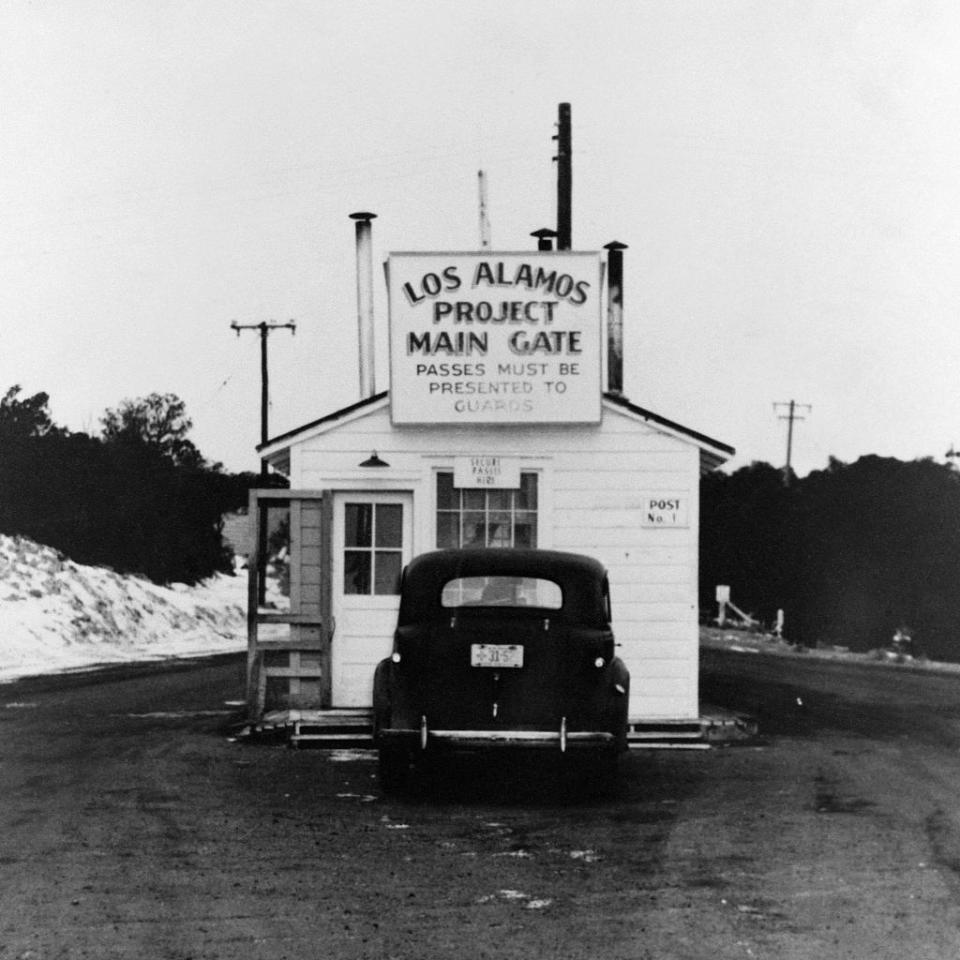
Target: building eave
<point>276,451</point>
<point>278,445</point>
<point>713,453</point>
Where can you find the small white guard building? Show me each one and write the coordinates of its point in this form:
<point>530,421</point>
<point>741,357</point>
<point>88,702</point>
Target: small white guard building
<point>497,431</point>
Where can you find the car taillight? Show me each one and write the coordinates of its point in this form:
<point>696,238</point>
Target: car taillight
<point>599,663</point>
<point>395,657</point>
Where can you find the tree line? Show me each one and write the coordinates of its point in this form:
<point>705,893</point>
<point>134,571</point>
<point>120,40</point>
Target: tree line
<point>139,498</point>
<point>851,553</point>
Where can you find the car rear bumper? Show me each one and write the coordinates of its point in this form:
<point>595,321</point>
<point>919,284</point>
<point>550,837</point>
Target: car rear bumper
<point>560,740</point>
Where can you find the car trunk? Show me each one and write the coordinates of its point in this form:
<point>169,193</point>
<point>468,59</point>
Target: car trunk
<point>456,694</point>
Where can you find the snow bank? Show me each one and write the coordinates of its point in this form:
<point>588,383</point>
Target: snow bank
<point>58,615</point>
<point>742,641</point>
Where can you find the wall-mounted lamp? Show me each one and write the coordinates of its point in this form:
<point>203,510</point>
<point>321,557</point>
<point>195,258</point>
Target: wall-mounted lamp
<point>374,461</point>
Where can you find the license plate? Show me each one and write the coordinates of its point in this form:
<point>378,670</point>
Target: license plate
<point>496,655</point>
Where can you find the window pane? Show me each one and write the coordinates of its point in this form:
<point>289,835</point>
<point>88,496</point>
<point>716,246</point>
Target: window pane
<point>473,499</point>
<point>527,499</point>
<point>448,530</point>
<point>446,494</point>
<point>389,532</point>
<point>358,519</point>
<point>525,530</point>
<point>499,499</point>
<point>356,571</point>
<point>498,530</point>
<point>474,530</point>
<point>387,566</point>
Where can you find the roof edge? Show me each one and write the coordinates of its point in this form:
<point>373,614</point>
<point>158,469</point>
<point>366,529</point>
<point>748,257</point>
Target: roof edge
<point>717,451</point>
<point>700,438</point>
<point>329,418</point>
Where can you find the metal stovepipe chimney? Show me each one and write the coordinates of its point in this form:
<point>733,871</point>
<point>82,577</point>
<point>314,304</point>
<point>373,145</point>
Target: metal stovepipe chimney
<point>365,301</point>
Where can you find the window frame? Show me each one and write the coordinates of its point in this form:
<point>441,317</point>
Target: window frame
<point>373,550</point>
<point>462,508</point>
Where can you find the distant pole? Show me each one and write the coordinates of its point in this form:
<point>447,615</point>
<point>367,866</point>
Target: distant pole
<point>564,179</point>
<point>264,329</point>
<point>484,219</point>
<point>792,415</point>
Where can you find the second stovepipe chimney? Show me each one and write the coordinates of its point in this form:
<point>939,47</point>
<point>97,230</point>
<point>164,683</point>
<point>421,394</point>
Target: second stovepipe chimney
<point>365,301</point>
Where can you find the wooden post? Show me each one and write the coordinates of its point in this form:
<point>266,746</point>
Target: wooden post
<point>254,708</point>
<point>326,592</point>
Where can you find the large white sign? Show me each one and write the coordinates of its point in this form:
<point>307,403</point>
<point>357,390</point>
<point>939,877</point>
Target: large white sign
<point>495,337</point>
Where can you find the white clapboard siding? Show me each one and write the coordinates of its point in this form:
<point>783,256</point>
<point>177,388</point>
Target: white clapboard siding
<point>593,481</point>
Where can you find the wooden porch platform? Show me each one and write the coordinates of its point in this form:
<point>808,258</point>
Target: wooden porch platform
<point>352,727</point>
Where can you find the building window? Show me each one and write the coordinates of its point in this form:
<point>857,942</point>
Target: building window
<point>373,548</point>
<point>486,518</point>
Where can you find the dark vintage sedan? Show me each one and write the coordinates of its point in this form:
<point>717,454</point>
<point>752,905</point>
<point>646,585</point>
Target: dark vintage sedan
<point>501,649</point>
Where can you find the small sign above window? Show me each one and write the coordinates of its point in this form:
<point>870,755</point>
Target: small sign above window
<point>481,471</point>
<point>666,510</point>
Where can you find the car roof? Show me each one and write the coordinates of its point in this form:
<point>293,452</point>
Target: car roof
<point>580,578</point>
<point>516,562</point>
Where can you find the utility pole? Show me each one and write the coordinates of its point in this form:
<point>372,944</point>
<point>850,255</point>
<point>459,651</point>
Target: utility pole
<point>264,328</point>
<point>564,179</point>
<point>792,415</point>
<point>262,533</point>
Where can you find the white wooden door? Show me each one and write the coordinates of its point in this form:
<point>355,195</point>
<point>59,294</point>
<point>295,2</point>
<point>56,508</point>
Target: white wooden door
<point>372,533</point>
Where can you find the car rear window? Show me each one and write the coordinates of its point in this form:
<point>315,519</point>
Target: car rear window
<point>497,591</point>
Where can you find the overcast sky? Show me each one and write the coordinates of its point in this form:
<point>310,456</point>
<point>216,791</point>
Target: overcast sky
<point>786,175</point>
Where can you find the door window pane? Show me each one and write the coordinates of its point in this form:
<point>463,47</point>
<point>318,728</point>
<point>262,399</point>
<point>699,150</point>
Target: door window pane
<point>387,572</point>
<point>389,524</point>
<point>356,571</point>
<point>358,519</point>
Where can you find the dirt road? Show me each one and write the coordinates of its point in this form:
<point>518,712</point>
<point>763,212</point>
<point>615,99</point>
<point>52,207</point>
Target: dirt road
<point>131,826</point>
